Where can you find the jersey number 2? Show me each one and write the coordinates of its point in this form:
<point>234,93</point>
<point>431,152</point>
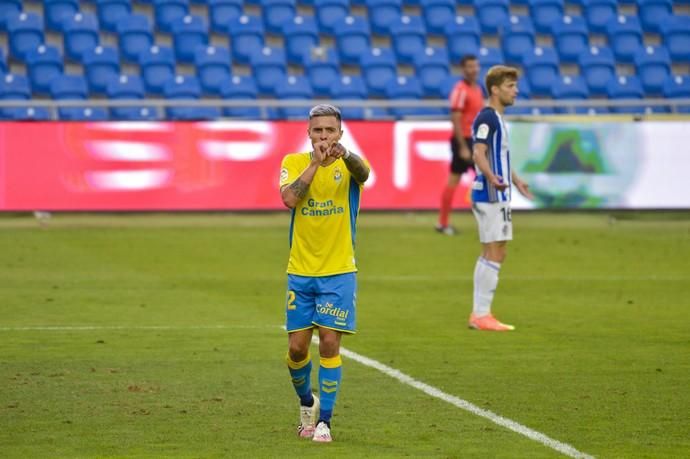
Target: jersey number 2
<point>291,300</point>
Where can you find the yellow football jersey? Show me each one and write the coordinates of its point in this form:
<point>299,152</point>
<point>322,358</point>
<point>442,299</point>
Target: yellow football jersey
<point>323,224</point>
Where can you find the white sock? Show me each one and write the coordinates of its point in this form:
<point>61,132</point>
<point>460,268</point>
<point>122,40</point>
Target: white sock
<point>485,282</point>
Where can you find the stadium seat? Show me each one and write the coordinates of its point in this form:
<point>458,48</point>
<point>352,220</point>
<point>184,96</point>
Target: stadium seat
<point>432,68</point>
<point>221,12</point>
<point>382,14</point>
<point>8,9</point>
<point>240,88</point>
<point>168,11</point>
<point>378,68</point>
<point>676,36</point>
<point>13,87</point>
<point>157,66</point>
<point>323,68</point>
<point>462,37</point>
<point>212,65</point>
<point>517,38</point>
<point>546,13</point>
<point>101,64</point>
<point>139,114</point>
<point>65,87</point>
<point>542,70</point>
<point>625,37</point>
<point>678,87</point>
<point>524,89</point>
<point>294,88</point>
<point>409,38</point>
<point>26,114</point>
<point>353,88</point>
<point>328,12</point>
<point>625,87</point>
<point>653,68</point>
<point>437,14</point>
<point>246,36</point>
<point>189,33</point>
<point>25,32</point>
<point>55,11</point>
<point>653,13</point>
<point>276,13</point>
<point>186,88</point>
<point>3,62</point>
<point>353,38</point>
<point>447,85</point>
<point>571,37</point>
<point>44,64</point>
<point>488,57</point>
<point>270,67</point>
<point>492,14</point>
<point>598,67</point>
<point>126,87</point>
<point>134,35</point>
<point>570,87</point>
<point>301,35</point>
<point>80,34</point>
<point>405,88</point>
<point>598,13</point>
<point>82,114</point>
<point>111,12</point>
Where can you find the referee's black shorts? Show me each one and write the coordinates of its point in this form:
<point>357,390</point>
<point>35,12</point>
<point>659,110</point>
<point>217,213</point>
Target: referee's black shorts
<point>459,165</point>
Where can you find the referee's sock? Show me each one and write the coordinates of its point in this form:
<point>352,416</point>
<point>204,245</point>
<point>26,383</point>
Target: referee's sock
<point>446,204</point>
<point>485,282</point>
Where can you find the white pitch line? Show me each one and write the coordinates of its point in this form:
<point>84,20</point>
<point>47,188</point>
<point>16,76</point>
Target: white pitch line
<point>435,392</point>
<point>135,327</point>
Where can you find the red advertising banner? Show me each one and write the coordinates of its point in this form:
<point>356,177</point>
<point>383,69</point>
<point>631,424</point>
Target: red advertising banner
<point>221,165</point>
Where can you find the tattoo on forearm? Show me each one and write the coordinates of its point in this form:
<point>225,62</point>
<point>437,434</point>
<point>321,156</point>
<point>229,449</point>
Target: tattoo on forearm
<point>357,168</point>
<point>299,188</point>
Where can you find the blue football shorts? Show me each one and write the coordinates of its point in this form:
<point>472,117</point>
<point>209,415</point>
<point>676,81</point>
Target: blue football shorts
<point>328,301</point>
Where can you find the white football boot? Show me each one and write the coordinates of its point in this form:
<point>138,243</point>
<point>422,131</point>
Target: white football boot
<point>307,417</point>
<point>322,433</point>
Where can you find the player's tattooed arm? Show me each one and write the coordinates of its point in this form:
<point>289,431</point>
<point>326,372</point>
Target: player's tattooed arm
<point>355,164</point>
<point>293,193</point>
<point>299,188</point>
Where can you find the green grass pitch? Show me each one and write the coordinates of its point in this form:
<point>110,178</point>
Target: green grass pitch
<point>600,359</point>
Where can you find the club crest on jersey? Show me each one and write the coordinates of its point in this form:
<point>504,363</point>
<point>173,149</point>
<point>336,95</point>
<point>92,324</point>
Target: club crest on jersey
<point>337,175</point>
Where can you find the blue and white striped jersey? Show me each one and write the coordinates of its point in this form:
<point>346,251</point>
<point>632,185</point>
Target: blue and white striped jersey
<point>490,129</point>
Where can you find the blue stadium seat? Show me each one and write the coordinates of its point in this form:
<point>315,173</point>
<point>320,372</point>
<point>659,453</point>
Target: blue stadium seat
<point>598,13</point>
<point>101,65</point>
<point>625,87</point>
<point>678,87</point>
<point>8,9</point>
<point>55,11</point>
<point>653,68</point>
<point>301,35</point>
<point>294,88</point>
<point>524,89</point>
<point>542,70</point>
<point>80,34</point>
<point>25,33</point>
<point>598,67</point>
<point>448,84</point>
<point>488,57</point>
<point>517,38</point>
<point>186,88</point>
<point>157,67</point>
<point>13,87</point>
<point>189,33</point>
<point>571,37</point>
<point>378,68</point>
<point>212,67</point>
<point>653,13</point>
<point>44,64</point>
<point>240,88</point>
<point>127,87</point>
<point>492,14</point>
<point>349,87</point>
<point>437,14</point>
<point>27,114</point>
<point>111,12</point>
<point>409,38</point>
<point>168,11</point>
<point>405,88</point>
<point>270,67</point>
<point>545,13</point>
<point>246,36</point>
<point>676,36</point>
<point>625,37</point>
<point>138,114</point>
<point>353,38</point>
<point>328,12</point>
<point>135,35</point>
<point>82,114</point>
<point>3,62</point>
<point>462,37</point>
<point>382,14</point>
<point>65,87</point>
<point>221,12</point>
<point>570,87</point>
<point>323,68</point>
<point>432,68</point>
<point>276,13</point>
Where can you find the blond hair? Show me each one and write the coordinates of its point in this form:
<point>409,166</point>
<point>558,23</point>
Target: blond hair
<point>499,74</point>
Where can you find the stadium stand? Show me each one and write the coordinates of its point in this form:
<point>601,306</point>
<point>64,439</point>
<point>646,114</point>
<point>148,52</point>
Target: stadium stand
<point>365,49</point>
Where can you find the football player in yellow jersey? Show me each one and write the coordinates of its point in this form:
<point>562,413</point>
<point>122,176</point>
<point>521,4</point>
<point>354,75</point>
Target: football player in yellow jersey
<point>322,188</point>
